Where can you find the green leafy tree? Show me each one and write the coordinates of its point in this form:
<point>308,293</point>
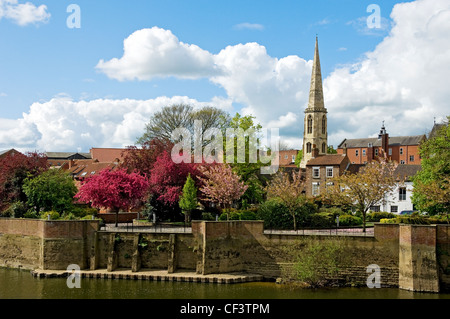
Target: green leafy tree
<point>188,200</point>
<point>52,190</point>
<point>431,191</point>
<point>246,168</point>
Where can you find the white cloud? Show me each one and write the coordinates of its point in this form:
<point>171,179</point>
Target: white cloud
<point>403,81</point>
<point>248,26</point>
<point>23,13</point>
<point>156,52</point>
<point>62,124</point>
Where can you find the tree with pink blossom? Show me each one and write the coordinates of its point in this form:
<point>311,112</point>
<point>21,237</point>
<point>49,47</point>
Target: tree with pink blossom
<point>221,185</point>
<point>114,189</point>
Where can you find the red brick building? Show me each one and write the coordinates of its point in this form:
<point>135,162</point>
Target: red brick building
<point>320,171</point>
<point>402,149</point>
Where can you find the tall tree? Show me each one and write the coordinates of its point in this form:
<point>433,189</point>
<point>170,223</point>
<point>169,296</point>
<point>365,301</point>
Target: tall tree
<point>221,185</point>
<point>142,159</point>
<point>432,183</point>
<point>115,190</point>
<point>164,122</point>
<point>244,163</point>
<point>366,188</point>
<point>188,200</point>
<point>14,169</point>
<point>289,188</point>
<point>52,190</point>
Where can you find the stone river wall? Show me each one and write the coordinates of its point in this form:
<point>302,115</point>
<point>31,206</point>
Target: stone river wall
<point>409,256</point>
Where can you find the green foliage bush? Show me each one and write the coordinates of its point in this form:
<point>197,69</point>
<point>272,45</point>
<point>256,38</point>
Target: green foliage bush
<point>207,216</point>
<point>388,220</point>
<point>247,215</point>
<point>17,210</point>
<point>322,220</point>
<point>377,216</point>
<point>350,220</point>
<point>53,215</point>
<point>31,214</point>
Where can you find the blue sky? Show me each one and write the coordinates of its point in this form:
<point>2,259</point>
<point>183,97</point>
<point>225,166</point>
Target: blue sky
<point>52,67</point>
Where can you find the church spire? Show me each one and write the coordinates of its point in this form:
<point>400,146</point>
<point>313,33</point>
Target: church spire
<point>315,136</point>
<point>316,89</point>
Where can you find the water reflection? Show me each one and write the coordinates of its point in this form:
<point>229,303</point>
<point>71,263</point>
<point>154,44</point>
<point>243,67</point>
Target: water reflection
<point>17,284</point>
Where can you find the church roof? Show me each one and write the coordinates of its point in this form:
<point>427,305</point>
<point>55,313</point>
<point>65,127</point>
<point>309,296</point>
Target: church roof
<point>329,159</point>
<point>394,140</point>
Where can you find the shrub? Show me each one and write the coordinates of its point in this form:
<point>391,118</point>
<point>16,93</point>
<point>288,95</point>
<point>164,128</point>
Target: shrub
<point>388,220</point>
<point>322,220</point>
<point>17,210</point>
<point>275,215</point>
<point>234,215</point>
<point>207,216</point>
<point>53,215</point>
<point>247,215</point>
<point>376,216</point>
<point>31,214</point>
<point>349,220</point>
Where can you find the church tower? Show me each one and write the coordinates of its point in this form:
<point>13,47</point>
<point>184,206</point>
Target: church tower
<point>315,136</point>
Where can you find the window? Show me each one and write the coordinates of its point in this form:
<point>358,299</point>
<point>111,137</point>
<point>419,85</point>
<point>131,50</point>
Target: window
<point>293,158</point>
<point>315,189</point>
<point>376,152</point>
<point>324,124</point>
<point>330,171</point>
<point>402,193</point>
<point>402,162</point>
<point>309,124</point>
<point>356,152</point>
<point>316,172</point>
<point>401,150</point>
<point>394,209</point>
<point>308,147</point>
<point>364,152</point>
<point>375,208</point>
<point>411,158</point>
<point>324,148</point>
<point>390,151</point>
<point>285,157</point>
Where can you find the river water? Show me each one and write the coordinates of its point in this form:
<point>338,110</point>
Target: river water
<point>20,284</point>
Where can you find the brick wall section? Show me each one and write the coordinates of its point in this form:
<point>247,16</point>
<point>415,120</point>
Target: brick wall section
<point>418,262</point>
<point>443,255</point>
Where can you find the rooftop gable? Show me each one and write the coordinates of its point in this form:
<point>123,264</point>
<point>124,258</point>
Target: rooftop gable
<point>329,159</point>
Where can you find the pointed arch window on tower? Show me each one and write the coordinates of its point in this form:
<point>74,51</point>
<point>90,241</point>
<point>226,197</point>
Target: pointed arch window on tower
<point>310,124</point>
<point>324,148</point>
<point>308,147</point>
<point>324,124</point>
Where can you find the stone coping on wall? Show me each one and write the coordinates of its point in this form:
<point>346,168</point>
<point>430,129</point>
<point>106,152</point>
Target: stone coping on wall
<point>153,275</point>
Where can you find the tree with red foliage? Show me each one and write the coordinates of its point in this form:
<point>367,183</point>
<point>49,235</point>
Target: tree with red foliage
<point>142,159</point>
<point>167,178</point>
<point>114,189</point>
<point>15,167</point>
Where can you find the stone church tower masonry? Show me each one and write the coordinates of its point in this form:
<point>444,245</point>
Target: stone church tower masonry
<point>315,136</point>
